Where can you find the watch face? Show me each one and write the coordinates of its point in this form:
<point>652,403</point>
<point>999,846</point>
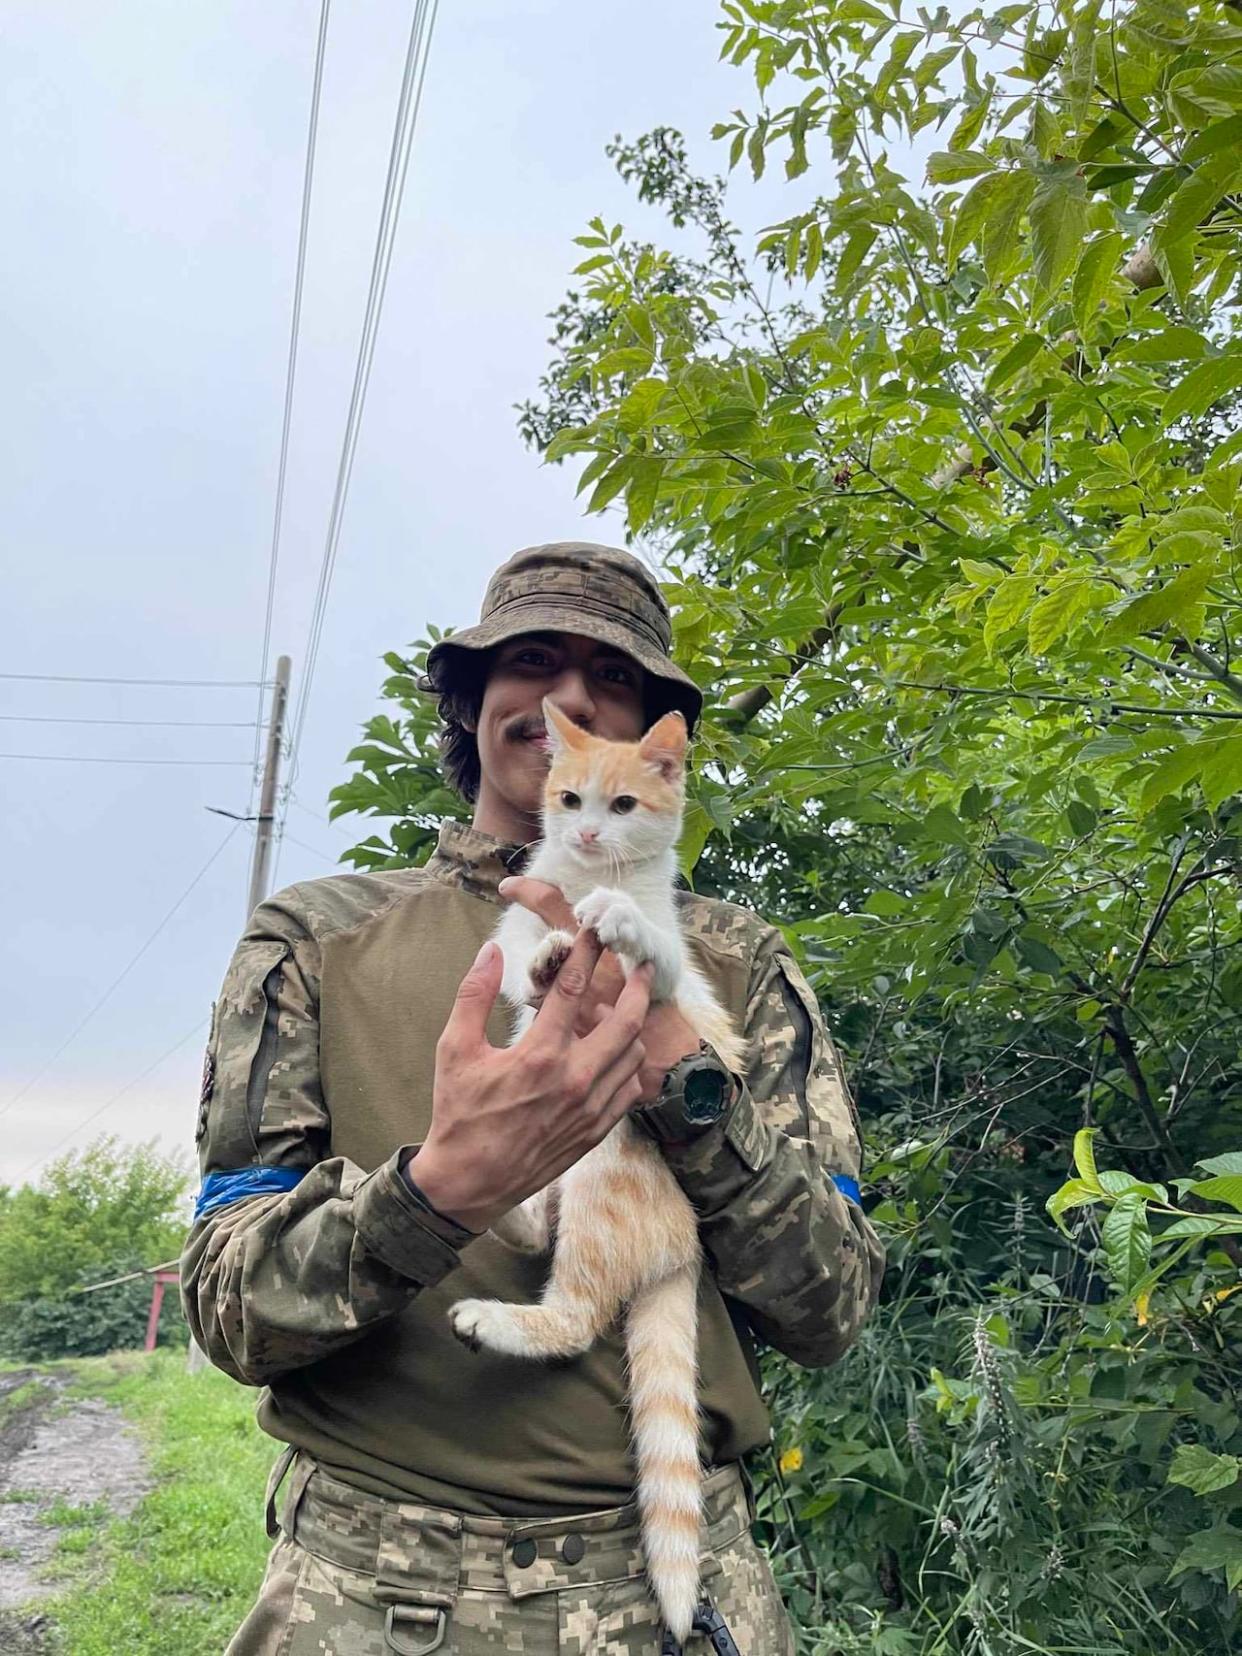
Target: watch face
<point>704,1096</point>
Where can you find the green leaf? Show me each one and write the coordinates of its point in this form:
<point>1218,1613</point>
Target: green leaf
<point>1002,241</point>
<point>970,214</point>
<point>1055,613</point>
<point>1194,200</point>
<point>1038,956</point>
<point>1009,605</point>
<point>1195,393</point>
<point>857,246</point>
<point>898,57</point>
<point>1172,774</point>
<point>1084,1157</point>
<point>1202,1224</point>
<point>1157,609</point>
<point>1082,819</point>
<point>1096,270</point>
<point>1127,1241</point>
<point>971,124</point>
<point>1058,225</point>
<point>1073,1193</point>
<point>1199,1470</point>
<point>643,490</point>
<point>1174,344</point>
<point>1214,1549</point>
<point>696,829</point>
<point>1015,359</point>
<point>1230,1162</point>
<point>611,483</point>
<point>1225,1187</point>
<point>950,167</point>
<point>943,825</point>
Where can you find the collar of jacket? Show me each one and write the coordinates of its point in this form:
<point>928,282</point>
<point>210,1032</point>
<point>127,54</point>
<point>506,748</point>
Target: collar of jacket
<point>464,856</point>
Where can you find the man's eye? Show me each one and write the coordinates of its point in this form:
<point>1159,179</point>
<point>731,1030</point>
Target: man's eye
<point>570,801</point>
<point>618,675</point>
<point>623,803</point>
<point>531,658</point>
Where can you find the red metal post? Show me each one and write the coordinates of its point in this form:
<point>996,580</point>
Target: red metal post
<point>153,1321</point>
<point>157,1299</point>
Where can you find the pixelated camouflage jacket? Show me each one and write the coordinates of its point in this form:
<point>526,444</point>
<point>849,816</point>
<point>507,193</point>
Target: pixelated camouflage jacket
<point>314,1269</point>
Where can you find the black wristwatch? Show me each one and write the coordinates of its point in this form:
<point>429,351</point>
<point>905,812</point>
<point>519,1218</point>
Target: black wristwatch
<point>696,1094</point>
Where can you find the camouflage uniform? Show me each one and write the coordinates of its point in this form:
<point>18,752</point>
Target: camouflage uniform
<point>315,1270</point>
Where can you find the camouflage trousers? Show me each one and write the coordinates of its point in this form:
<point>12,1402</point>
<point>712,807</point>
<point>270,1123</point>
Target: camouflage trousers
<point>357,1575</point>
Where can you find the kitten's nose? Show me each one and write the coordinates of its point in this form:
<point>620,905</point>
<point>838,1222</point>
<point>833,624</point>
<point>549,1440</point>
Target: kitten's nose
<point>588,836</point>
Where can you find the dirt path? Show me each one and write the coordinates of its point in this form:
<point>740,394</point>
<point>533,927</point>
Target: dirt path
<point>53,1451</point>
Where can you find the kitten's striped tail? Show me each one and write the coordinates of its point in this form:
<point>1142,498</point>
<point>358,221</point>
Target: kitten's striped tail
<point>660,1341</point>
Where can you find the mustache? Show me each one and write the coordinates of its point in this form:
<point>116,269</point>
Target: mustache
<point>525,730</point>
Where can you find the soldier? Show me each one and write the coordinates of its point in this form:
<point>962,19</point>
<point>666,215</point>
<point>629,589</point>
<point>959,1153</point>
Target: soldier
<point>363,1121</point>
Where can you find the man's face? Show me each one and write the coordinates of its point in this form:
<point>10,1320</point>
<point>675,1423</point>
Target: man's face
<point>595,685</point>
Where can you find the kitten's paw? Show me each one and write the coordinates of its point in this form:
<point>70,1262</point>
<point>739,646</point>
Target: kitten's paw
<point>547,961</point>
<point>483,1323</point>
<point>617,921</point>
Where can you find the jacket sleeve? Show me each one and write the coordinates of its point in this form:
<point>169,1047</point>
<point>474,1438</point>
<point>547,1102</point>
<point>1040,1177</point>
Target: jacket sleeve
<point>293,1252</point>
<point>774,1182</point>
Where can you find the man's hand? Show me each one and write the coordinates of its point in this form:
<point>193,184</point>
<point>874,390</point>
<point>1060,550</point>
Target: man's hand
<point>506,1121</point>
<point>666,1036</point>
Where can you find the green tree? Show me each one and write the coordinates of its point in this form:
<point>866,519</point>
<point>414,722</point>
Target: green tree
<point>943,474</point>
<point>97,1212</point>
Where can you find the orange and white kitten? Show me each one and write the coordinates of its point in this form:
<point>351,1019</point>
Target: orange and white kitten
<point>626,1238</point>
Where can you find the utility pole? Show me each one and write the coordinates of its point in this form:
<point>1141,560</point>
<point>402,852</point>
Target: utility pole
<point>196,1358</point>
<point>267,797</point>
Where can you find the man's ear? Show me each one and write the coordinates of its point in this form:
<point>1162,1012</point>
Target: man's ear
<point>664,746</point>
<point>563,734</point>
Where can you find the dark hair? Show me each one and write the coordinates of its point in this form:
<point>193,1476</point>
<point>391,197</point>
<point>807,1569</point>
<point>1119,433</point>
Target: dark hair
<point>461,698</point>
<point>460,689</point>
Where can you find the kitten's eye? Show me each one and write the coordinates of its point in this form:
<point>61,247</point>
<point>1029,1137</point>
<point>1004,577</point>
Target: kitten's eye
<point>624,803</point>
<point>570,801</point>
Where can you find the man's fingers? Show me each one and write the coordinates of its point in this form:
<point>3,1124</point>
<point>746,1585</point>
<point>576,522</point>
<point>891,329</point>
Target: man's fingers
<point>476,995</point>
<point>562,1002</point>
<point>624,1021</point>
<point>541,898</point>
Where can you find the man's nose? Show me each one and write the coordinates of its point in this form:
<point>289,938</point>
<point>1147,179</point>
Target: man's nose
<point>573,697</point>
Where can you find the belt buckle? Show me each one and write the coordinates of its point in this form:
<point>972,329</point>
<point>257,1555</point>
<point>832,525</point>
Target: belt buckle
<point>395,1640</point>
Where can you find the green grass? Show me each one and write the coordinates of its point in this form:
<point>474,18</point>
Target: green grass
<point>178,1575</point>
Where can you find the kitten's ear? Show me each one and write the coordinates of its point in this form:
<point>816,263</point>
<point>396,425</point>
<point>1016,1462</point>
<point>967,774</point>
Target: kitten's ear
<point>563,734</point>
<point>664,746</point>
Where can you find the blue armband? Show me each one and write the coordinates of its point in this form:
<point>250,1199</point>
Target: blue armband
<point>848,1187</point>
<point>221,1189</point>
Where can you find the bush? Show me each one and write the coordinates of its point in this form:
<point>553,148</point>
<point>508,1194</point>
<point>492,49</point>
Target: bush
<point>95,1214</point>
<point>88,1325</point>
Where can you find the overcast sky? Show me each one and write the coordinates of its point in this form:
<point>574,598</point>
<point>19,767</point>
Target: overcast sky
<point>151,159</point>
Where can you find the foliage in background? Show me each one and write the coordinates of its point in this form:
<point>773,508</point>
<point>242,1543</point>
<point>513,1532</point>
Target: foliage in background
<point>94,1214</point>
<point>944,474</point>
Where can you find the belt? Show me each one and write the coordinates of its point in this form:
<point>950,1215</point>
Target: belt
<point>421,1557</point>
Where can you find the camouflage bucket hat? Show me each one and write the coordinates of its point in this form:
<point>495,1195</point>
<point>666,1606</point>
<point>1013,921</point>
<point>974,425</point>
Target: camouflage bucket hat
<point>597,592</point>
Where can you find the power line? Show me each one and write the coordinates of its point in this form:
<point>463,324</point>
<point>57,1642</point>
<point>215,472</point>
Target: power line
<point>408,103</point>
<point>327,856</point>
<point>119,979</point>
<point>291,369</point>
<point>188,684</point>
<point>98,759</point>
<point>165,724</point>
<point>129,1086</point>
<point>319,817</point>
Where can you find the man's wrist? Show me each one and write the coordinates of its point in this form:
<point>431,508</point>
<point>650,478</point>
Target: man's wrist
<point>426,1180</point>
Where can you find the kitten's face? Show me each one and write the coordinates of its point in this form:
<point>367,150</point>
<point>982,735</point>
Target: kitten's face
<point>610,804</point>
